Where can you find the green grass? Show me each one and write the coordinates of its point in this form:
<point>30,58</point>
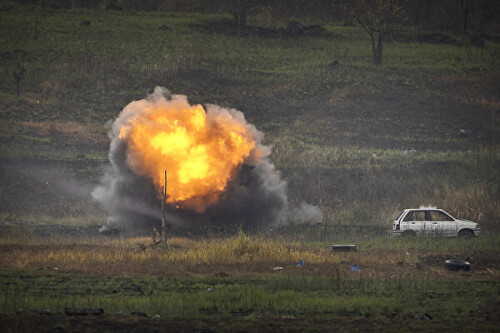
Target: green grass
<point>321,297</point>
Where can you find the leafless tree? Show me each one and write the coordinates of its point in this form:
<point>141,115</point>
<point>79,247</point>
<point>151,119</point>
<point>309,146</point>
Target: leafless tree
<point>378,18</point>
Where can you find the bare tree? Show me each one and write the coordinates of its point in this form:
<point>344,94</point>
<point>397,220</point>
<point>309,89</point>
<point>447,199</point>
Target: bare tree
<point>378,18</point>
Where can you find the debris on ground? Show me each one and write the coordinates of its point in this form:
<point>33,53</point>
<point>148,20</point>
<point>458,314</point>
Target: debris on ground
<point>355,268</point>
<point>83,311</point>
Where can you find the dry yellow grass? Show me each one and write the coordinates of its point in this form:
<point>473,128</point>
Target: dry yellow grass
<point>239,255</point>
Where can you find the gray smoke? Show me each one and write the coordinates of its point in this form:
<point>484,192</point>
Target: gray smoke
<point>255,198</point>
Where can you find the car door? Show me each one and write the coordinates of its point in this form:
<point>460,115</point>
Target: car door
<point>441,224</point>
<point>414,220</point>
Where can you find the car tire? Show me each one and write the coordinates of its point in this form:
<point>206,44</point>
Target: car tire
<point>457,265</point>
<point>409,234</point>
<point>343,248</point>
<point>466,234</point>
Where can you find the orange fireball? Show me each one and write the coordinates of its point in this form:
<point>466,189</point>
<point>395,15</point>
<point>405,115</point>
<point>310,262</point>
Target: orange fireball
<point>201,152</point>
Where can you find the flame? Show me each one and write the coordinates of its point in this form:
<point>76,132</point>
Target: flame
<point>201,152</point>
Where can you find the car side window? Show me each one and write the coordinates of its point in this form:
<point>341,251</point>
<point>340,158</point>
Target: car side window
<point>420,216</point>
<point>440,216</point>
<point>409,216</point>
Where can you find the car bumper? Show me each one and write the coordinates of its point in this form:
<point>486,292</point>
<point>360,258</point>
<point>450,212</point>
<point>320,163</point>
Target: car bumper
<point>397,233</point>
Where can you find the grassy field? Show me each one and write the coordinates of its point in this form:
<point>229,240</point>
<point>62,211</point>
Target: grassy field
<point>347,136</point>
<point>362,142</point>
<point>249,284</point>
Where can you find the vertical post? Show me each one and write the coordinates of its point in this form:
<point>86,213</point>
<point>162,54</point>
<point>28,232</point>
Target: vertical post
<point>163,212</point>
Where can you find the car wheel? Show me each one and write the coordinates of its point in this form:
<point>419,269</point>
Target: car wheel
<point>409,233</point>
<point>466,234</point>
<point>343,248</point>
<point>456,265</point>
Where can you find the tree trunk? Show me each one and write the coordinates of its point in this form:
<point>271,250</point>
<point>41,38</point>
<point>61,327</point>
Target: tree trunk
<point>377,57</point>
<point>376,49</point>
<point>243,18</point>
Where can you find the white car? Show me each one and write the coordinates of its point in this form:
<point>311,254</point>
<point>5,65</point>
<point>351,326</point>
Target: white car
<point>431,221</point>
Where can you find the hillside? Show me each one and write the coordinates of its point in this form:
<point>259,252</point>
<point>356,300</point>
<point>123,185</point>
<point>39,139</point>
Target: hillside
<point>360,141</point>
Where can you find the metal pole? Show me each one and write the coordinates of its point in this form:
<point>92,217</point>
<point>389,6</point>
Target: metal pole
<point>163,216</point>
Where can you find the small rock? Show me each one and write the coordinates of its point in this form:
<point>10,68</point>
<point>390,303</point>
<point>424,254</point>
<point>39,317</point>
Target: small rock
<point>410,152</point>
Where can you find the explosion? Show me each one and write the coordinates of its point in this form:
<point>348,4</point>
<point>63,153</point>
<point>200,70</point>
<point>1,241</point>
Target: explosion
<point>200,151</point>
<point>218,171</point>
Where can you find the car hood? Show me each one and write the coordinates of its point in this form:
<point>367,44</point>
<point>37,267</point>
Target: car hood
<point>466,223</point>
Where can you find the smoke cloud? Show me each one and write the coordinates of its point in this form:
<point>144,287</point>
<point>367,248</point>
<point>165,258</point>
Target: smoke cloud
<point>247,191</point>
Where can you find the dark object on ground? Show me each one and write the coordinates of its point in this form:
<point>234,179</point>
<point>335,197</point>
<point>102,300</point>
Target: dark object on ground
<point>164,28</point>
<point>139,314</point>
<point>85,22</point>
<point>456,265</point>
<point>426,316</point>
<point>83,311</point>
<point>43,312</point>
<point>110,232</point>
<point>343,248</point>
